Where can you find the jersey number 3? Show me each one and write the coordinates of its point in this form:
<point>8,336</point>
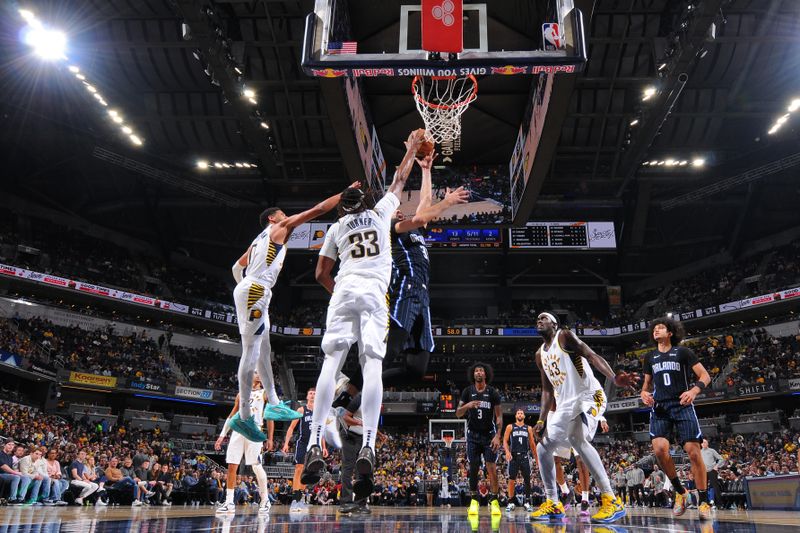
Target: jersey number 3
<point>365,244</point>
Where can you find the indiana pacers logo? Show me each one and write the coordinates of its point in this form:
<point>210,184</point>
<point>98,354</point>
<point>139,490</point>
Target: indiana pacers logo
<point>444,13</point>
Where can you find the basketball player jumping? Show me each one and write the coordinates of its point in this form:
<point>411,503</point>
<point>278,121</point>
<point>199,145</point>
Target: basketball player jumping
<point>568,380</point>
<point>410,340</point>
<point>239,447</point>
<point>518,456</point>
<point>359,310</point>
<point>307,413</point>
<point>482,404</point>
<point>669,390</point>
<point>256,273</point>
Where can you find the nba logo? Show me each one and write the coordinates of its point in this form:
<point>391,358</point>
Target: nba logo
<point>551,35</point>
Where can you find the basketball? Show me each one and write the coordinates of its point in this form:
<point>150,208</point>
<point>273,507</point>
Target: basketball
<point>425,149</point>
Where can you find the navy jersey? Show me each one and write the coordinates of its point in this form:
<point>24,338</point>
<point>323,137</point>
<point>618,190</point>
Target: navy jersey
<point>672,372</point>
<point>519,439</point>
<point>305,425</point>
<point>409,258</point>
<point>481,419</point>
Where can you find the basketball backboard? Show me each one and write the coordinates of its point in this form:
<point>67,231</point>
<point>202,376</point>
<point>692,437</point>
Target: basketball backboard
<point>363,38</point>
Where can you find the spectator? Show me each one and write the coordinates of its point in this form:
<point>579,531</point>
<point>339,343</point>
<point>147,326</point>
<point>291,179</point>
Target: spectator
<point>79,478</point>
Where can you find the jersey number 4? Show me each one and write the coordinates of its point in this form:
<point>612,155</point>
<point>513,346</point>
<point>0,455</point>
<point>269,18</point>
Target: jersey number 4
<point>365,244</point>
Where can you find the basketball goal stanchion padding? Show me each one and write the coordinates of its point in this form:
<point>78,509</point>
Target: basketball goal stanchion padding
<point>441,100</point>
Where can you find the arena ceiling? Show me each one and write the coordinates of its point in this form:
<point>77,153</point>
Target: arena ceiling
<point>59,149</point>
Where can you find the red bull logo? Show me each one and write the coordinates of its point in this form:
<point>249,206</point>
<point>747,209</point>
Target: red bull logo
<point>509,70</point>
<point>329,73</point>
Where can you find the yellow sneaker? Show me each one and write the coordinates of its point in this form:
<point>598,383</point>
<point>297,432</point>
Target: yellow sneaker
<point>548,511</point>
<point>474,508</point>
<point>611,509</point>
<point>705,511</point>
<point>494,505</point>
<point>474,522</point>
<point>680,504</point>
<point>495,523</point>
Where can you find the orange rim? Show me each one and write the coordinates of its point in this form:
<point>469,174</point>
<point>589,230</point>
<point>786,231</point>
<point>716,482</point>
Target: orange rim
<point>462,103</point>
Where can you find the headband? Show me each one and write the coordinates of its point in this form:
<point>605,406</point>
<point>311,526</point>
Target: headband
<point>552,318</point>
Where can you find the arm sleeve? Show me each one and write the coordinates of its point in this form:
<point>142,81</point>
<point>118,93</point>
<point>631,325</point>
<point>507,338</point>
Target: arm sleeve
<point>387,206</point>
<point>225,428</point>
<point>329,248</point>
<point>647,366</point>
<point>689,356</point>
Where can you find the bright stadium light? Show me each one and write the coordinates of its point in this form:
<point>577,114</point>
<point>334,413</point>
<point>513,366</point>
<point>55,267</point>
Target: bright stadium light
<point>136,140</point>
<point>699,162</point>
<point>202,164</point>
<point>634,122</point>
<point>27,15</point>
<point>794,106</point>
<point>649,92</point>
<point>47,44</point>
<point>74,69</point>
<point>265,125</point>
<point>127,130</point>
<point>249,93</point>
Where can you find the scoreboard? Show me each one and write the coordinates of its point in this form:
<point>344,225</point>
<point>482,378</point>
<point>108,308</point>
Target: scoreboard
<point>464,238</point>
<point>447,404</point>
<point>574,235</point>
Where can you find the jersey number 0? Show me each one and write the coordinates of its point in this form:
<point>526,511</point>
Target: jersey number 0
<point>365,244</point>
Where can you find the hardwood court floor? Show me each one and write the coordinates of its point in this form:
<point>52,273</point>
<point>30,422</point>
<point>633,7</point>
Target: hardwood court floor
<point>382,519</point>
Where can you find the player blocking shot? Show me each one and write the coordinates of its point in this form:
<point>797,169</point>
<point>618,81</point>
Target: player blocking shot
<point>358,312</point>
<point>481,404</point>
<point>673,377</point>
<point>255,273</point>
<point>518,443</point>
<point>241,448</point>
<point>568,381</point>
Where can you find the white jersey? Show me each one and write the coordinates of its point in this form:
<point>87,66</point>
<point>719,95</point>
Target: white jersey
<point>362,242</point>
<point>569,373</point>
<point>257,402</point>
<point>266,258</point>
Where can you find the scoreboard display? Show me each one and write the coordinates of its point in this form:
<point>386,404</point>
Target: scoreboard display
<point>464,238</point>
<point>447,404</point>
<point>574,235</point>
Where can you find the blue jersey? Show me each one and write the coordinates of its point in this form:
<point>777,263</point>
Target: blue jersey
<point>409,259</point>
<point>672,372</point>
<point>305,425</point>
<point>519,439</point>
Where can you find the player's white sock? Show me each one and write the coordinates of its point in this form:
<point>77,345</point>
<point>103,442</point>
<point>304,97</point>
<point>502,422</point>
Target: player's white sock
<point>261,478</point>
<point>247,365</point>
<point>584,495</point>
<point>564,488</point>
<point>264,365</point>
<point>229,496</point>
<point>371,399</point>
<point>326,383</point>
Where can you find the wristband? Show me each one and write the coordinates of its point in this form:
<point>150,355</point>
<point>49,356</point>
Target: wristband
<point>699,384</point>
<point>540,422</point>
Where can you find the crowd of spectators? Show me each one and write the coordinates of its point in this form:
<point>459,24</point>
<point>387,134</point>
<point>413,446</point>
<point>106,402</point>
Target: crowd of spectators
<point>766,358</point>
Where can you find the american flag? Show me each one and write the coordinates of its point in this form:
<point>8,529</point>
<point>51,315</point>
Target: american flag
<point>346,47</point>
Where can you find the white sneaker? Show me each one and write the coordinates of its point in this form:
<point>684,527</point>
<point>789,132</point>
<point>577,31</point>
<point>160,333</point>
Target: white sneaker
<point>136,503</point>
<point>101,503</point>
<point>265,506</point>
<point>510,507</point>
<point>166,504</point>
<point>226,508</point>
<point>78,501</point>
<point>528,508</point>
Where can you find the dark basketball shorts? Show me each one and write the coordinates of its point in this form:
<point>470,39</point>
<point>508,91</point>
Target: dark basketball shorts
<point>671,416</point>
<point>410,309</point>
<point>519,463</point>
<point>480,445</point>
<point>300,452</point>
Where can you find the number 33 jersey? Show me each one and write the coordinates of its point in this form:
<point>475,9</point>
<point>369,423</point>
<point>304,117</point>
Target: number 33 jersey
<point>570,374</point>
<point>362,243</point>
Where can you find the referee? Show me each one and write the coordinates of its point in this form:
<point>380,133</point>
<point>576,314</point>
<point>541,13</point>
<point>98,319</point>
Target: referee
<point>713,462</point>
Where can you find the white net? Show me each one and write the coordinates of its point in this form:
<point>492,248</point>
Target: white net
<point>441,102</point>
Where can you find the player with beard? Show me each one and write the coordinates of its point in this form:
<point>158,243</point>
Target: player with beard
<point>481,403</point>
<point>568,380</point>
<point>518,456</point>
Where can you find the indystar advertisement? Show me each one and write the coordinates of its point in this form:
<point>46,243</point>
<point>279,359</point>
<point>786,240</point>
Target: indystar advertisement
<point>191,392</point>
<point>146,386</point>
<point>93,379</point>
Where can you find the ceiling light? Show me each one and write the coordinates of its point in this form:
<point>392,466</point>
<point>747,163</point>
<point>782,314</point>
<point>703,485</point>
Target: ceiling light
<point>27,15</point>
<point>238,165</point>
<point>74,69</point>
<point>649,92</point>
<point>670,162</point>
<point>683,163</point>
<point>249,93</point>
<point>662,66</point>
<point>103,102</point>
<point>113,112</point>
<point>253,101</point>
<point>91,88</point>
<point>699,162</point>
<point>136,140</point>
<point>80,77</point>
<point>661,163</point>
<point>126,130</point>
<point>646,163</point>
<point>217,165</point>
<point>202,164</point>
<point>238,70</point>
<point>782,120</point>
<point>773,129</point>
<point>47,44</point>
<point>265,125</point>
<point>117,119</point>
<point>653,163</point>
<point>634,122</point>
<point>794,106</point>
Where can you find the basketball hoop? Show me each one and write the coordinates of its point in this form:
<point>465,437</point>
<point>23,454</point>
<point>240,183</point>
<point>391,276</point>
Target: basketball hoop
<point>448,441</point>
<point>441,100</point>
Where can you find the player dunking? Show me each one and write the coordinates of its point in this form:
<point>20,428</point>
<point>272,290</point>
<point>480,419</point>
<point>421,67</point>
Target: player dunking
<point>410,341</point>
<point>518,456</point>
<point>307,414</point>
<point>256,272</point>
<point>239,447</point>
<point>359,310</point>
<point>673,377</point>
<point>567,379</point>
<point>481,403</point>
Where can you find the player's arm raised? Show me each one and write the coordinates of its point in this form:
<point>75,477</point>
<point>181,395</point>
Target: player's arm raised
<point>506,437</point>
<point>282,229</point>
<point>426,212</point>
<point>547,398</point>
<point>572,344</point>
<point>413,143</point>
